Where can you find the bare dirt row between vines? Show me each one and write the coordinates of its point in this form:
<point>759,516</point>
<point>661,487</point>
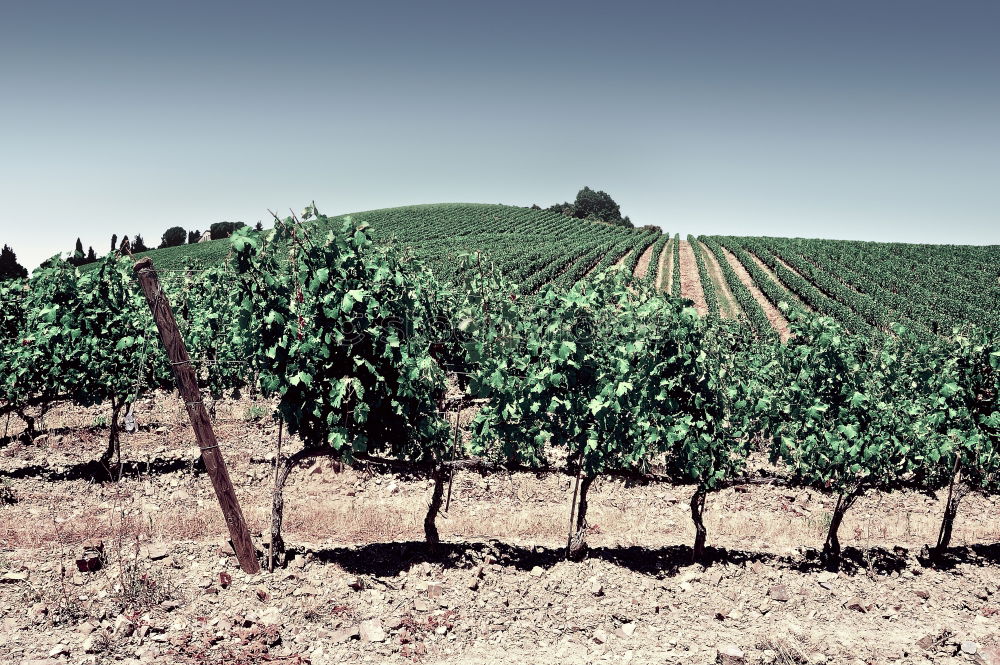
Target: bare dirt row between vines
<point>728,307</point>
<point>792,296</point>
<point>642,267</point>
<point>664,277</point>
<point>773,314</point>
<point>621,259</point>
<point>690,282</point>
<point>617,262</point>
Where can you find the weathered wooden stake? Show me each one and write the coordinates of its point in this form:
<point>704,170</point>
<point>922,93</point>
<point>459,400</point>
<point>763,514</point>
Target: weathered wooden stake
<point>187,384</point>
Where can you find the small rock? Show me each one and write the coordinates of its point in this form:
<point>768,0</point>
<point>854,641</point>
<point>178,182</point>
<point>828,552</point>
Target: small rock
<point>779,592</point>
<point>856,605</point>
<point>123,626</point>
<point>11,577</point>
<point>346,633</point>
<point>86,628</point>
<point>922,594</point>
<point>596,587</point>
<point>730,654</point>
<point>372,631</point>
<point>537,571</point>
<point>90,562</point>
<point>435,590</point>
<point>58,650</point>
<point>272,616</point>
<point>157,551</point>
<point>600,636</point>
<point>970,647</point>
<point>628,629</point>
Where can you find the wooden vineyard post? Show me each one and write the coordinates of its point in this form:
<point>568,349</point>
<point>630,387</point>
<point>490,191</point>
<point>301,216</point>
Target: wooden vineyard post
<point>187,385</point>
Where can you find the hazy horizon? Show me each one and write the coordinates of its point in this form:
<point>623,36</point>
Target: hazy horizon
<point>862,121</point>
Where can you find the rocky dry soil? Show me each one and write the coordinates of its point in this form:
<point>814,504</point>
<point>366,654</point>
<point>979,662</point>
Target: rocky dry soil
<point>160,585</point>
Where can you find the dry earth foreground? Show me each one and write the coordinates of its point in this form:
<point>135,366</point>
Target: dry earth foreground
<point>137,571</point>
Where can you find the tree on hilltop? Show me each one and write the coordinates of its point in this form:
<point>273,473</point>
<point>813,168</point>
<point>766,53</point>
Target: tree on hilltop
<point>9,267</point>
<point>594,205</point>
<point>173,237</point>
<point>221,230</point>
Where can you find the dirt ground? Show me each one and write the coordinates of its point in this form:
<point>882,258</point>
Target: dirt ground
<point>362,587</point>
<point>773,314</point>
<point>691,287</point>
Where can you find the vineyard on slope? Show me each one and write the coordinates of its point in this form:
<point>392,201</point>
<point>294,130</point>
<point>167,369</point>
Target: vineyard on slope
<point>868,287</point>
<point>355,339</point>
<point>865,286</point>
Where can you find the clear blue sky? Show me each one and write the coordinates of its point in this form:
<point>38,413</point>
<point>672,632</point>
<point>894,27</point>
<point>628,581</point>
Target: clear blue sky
<point>867,120</point>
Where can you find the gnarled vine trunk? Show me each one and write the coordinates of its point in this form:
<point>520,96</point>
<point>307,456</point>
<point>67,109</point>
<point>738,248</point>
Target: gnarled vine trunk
<point>577,546</point>
<point>29,424</point>
<point>956,492</point>
<point>698,517</point>
<point>114,449</point>
<point>283,468</point>
<point>831,548</point>
<point>276,553</point>
<point>437,496</point>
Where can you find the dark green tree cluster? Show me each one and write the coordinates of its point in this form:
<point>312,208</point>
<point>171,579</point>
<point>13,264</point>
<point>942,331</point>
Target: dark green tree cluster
<point>9,267</point>
<point>594,205</point>
<point>221,230</point>
<point>173,237</point>
<point>79,258</point>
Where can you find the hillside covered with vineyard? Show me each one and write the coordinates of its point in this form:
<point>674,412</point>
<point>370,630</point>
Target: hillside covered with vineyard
<point>866,286</point>
<point>702,388</point>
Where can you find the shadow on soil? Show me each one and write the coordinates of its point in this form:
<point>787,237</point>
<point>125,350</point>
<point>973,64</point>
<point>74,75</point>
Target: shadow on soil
<point>97,471</point>
<point>389,559</point>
